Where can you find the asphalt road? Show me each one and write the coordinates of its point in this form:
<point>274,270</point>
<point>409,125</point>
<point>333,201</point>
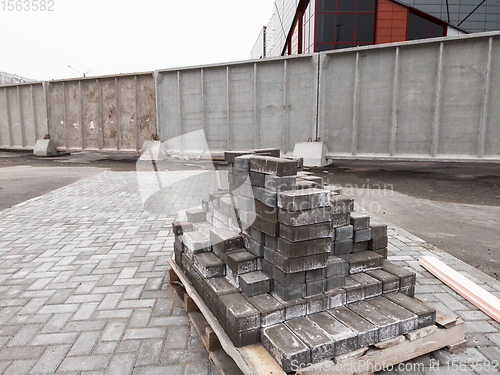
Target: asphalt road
<point>453,206</point>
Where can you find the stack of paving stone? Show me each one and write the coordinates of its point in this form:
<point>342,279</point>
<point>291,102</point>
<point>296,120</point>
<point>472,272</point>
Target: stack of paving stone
<point>283,260</point>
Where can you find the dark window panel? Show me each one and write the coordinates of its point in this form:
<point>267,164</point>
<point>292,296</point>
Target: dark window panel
<point>346,5</point>
<point>345,27</point>
<point>320,47</point>
<point>435,30</point>
<point>326,5</point>
<point>344,45</point>
<point>417,27</point>
<point>365,6</point>
<point>365,26</point>
<point>325,27</point>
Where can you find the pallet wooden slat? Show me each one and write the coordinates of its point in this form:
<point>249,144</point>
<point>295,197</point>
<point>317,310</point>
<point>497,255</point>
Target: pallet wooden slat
<point>478,296</point>
<point>256,360</point>
<point>376,360</point>
<point>226,343</point>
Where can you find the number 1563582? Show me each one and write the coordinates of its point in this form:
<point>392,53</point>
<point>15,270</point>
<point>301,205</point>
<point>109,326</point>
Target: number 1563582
<point>27,5</point>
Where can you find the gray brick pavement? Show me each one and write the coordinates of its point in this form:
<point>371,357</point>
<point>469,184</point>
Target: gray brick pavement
<point>82,282</point>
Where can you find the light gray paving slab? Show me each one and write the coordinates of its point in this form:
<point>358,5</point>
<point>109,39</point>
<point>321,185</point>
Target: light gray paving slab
<point>83,288</point>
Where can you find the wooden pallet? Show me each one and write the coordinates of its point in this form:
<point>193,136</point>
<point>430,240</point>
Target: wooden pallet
<point>449,332</point>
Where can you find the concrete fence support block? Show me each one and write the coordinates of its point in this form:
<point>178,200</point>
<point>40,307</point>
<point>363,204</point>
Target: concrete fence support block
<point>313,153</point>
<point>45,147</point>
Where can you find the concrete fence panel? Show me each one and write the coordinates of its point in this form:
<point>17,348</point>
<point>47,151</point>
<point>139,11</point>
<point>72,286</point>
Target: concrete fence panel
<point>254,104</point>
<point>107,113</point>
<point>491,134</point>
<point>23,115</point>
<point>435,99</point>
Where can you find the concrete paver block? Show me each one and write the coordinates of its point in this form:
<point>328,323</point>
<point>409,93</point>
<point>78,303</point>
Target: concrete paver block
<point>304,199</point>
<point>371,285</point>
<point>340,220</point>
<point>406,278</point>
<point>255,283</point>
<point>378,230</point>
<point>271,311</point>
<point>408,320</point>
<point>304,248</point>
<point>273,166</point>
<point>366,332</point>
<point>195,215</point>
<point>321,345</point>
<point>240,314</point>
<point>306,232</point>
<point>388,326</point>
<point>390,282</point>
<point>209,265</point>
<point>275,183</point>
<point>226,239</point>
<point>378,243</point>
<point>344,233</point>
<point>336,298</point>
<point>306,217</point>
<point>293,309</point>
<point>345,339</point>
<point>197,241</point>
<point>289,293</point>
<point>285,347</point>
<point>355,291</point>
<point>364,261</point>
<point>360,221</point>
<point>426,314</point>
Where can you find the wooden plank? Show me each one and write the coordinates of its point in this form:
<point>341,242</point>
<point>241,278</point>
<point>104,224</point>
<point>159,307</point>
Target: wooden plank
<point>224,363</point>
<point>226,343</point>
<point>260,361</point>
<point>189,304</point>
<point>376,359</point>
<point>478,296</point>
<point>212,341</point>
<point>445,321</point>
<point>200,324</point>
<point>172,276</point>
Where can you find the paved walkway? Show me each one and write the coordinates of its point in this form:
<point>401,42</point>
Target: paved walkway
<point>83,287</point>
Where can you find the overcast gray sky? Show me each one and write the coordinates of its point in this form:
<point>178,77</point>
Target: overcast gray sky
<point>111,37</point>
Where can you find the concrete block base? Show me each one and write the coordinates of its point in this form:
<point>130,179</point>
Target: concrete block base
<point>313,153</point>
<point>45,147</point>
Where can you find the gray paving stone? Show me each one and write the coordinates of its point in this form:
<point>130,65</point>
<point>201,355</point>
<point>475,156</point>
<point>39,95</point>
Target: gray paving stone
<point>240,314</point>
<point>85,363</point>
<point>407,320</point>
<point>470,355</point>
<point>121,364</point>
<point>426,315</point>
<point>367,333</point>
<point>85,343</point>
<point>255,283</point>
<point>322,346</point>
<point>345,339</point>
<point>177,337</point>
<point>388,326</point>
<point>54,339</point>
<point>286,348</point>
<point>78,253</point>
<point>20,367</point>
